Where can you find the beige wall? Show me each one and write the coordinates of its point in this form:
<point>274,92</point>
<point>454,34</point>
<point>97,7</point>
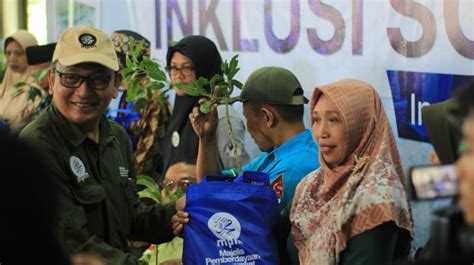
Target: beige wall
<point>10,19</point>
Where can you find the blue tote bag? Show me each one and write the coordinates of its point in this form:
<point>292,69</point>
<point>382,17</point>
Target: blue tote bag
<point>232,221</point>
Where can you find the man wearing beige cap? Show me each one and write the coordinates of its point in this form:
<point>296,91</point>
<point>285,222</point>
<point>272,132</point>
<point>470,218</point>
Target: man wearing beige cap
<point>91,157</point>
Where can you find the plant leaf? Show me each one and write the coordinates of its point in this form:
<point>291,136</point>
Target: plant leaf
<point>154,195</point>
<point>206,106</point>
<point>147,181</point>
<point>201,82</point>
<point>33,93</point>
<point>40,74</point>
<point>19,84</point>
<point>126,72</point>
<point>154,85</point>
<point>140,104</point>
<point>190,89</point>
<point>128,62</point>
<point>234,99</point>
<point>224,67</point>
<point>237,84</point>
<point>153,69</point>
<point>17,92</point>
<point>232,73</point>
<point>219,91</point>
<point>234,61</point>
<point>215,80</point>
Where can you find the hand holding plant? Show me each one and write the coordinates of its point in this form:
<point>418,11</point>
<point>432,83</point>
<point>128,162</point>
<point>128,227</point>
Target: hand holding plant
<point>222,87</point>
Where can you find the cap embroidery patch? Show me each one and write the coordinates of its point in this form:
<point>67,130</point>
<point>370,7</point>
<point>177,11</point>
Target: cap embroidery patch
<point>87,40</point>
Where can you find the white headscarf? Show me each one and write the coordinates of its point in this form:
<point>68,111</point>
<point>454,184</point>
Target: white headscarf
<point>17,111</point>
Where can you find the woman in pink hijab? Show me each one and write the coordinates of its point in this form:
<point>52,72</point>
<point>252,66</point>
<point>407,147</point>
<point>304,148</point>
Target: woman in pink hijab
<point>353,209</point>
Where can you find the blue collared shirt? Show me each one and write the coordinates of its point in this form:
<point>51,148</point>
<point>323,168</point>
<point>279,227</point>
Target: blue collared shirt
<point>293,160</point>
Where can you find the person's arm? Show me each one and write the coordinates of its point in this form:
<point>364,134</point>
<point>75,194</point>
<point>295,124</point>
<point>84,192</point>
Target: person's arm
<point>372,247</point>
<point>150,223</point>
<point>75,206</point>
<point>72,229</point>
<point>205,127</point>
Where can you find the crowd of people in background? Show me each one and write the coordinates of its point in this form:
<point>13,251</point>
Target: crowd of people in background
<point>340,184</point>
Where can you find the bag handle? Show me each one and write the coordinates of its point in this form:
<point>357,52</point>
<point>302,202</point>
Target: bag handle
<point>217,179</point>
<point>254,177</point>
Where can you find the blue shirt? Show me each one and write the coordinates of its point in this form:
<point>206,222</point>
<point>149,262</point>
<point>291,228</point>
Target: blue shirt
<point>293,160</point>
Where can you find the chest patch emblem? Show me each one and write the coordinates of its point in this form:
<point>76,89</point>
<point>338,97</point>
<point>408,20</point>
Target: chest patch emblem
<point>175,139</point>
<point>277,186</point>
<point>78,168</point>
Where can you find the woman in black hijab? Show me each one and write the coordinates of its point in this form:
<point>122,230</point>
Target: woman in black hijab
<point>193,57</point>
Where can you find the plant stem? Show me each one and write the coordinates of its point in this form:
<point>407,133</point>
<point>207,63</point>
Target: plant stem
<point>231,135</point>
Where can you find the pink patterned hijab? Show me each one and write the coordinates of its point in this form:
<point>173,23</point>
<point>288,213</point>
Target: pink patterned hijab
<point>331,206</point>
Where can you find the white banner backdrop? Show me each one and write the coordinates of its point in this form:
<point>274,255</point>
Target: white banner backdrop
<point>324,41</point>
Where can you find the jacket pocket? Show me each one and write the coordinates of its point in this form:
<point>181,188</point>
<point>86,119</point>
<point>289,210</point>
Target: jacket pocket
<point>89,192</point>
<point>91,196</point>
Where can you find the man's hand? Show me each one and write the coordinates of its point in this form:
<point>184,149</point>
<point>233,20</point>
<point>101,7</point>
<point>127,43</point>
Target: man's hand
<point>204,125</point>
<point>181,217</point>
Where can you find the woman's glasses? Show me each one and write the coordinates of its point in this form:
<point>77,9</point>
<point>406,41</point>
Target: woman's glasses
<point>185,70</point>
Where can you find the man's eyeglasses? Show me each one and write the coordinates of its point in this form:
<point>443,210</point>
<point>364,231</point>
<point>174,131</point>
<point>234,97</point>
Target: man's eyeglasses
<point>98,82</point>
<point>182,183</point>
<point>185,70</point>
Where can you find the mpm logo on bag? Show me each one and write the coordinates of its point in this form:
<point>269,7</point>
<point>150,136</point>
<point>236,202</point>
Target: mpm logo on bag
<point>226,228</point>
<point>222,231</point>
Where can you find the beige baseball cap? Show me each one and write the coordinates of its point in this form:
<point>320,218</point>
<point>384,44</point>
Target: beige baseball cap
<point>85,44</point>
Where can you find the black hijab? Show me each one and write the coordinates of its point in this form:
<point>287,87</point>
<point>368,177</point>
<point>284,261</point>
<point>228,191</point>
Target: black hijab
<point>207,63</point>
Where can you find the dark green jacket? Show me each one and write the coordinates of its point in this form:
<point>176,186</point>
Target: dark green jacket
<point>99,209</point>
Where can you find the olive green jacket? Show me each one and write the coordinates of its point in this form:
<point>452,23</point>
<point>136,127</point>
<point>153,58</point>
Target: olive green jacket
<point>99,209</point>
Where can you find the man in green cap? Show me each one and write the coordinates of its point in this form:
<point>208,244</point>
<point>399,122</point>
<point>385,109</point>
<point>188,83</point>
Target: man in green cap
<point>90,157</point>
<point>273,104</point>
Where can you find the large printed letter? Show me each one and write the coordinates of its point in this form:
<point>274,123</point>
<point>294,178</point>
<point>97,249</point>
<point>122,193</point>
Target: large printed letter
<point>282,45</point>
<point>158,24</point>
<point>420,13</point>
<point>357,29</point>
<point>332,15</point>
<point>460,42</point>
<point>207,16</point>
<point>241,45</point>
<point>186,27</point>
